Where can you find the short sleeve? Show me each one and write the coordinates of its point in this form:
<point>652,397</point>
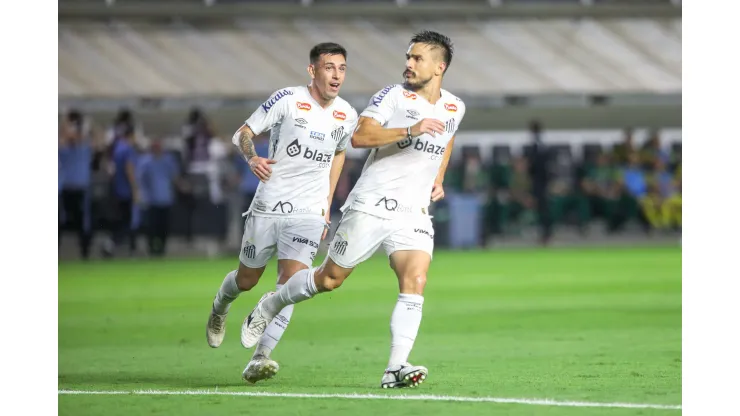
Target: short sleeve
<point>461,115</point>
<point>269,113</point>
<point>382,105</point>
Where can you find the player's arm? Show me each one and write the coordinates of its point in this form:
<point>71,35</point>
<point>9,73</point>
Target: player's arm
<point>370,133</point>
<point>337,164</point>
<point>438,191</point>
<point>260,166</point>
<point>264,118</point>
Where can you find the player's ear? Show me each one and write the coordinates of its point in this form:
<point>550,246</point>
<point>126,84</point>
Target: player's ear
<point>311,71</point>
<point>441,68</point>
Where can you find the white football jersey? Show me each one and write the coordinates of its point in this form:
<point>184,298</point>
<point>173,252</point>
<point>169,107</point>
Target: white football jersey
<point>303,140</point>
<point>397,178</point>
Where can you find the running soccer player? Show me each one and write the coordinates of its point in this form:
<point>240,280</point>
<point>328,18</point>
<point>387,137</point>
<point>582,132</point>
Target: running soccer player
<point>310,127</point>
<point>410,129</point>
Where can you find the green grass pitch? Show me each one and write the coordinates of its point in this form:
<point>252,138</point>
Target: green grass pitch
<point>591,325</point>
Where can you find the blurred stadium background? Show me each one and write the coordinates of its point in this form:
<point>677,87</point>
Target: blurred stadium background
<point>598,81</point>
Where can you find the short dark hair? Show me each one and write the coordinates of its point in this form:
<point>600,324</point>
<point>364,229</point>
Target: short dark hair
<point>330,48</point>
<point>436,40</point>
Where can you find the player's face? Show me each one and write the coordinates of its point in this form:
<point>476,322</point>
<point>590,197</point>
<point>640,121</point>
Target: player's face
<point>328,75</point>
<point>423,62</point>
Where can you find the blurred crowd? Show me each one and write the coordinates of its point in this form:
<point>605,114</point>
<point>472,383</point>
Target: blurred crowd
<point>119,184</point>
<point>548,185</point>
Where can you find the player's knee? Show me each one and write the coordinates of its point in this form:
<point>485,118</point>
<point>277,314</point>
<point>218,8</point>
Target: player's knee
<point>246,279</point>
<point>414,283</point>
<point>327,283</point>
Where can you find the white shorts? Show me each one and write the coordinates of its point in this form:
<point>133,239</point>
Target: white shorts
<point>359,235</point>
<point>293,239</point>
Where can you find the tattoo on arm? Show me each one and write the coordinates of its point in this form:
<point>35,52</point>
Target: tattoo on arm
<point>246,144</point>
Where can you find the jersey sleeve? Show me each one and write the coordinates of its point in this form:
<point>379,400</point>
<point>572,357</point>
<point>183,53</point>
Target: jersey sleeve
<point>382,105</point>
<point>342,145</point>
<point>270,113</point>
<point>460,117</point>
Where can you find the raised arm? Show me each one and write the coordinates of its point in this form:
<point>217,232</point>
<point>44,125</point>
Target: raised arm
<point>370,133</point>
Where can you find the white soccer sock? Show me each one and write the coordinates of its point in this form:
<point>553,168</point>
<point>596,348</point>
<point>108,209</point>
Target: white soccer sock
<point>405,323</point>
<point>300,287</point>
<point>274,331</point>
<point>226,294</point>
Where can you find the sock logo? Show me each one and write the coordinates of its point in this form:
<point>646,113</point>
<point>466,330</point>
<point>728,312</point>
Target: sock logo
<point>414,307</point>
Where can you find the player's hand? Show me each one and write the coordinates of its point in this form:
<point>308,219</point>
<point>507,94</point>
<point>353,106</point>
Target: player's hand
<point>428,126</point>
<point>438,192</point>
<point>260,166</point>
<point>326,227</point>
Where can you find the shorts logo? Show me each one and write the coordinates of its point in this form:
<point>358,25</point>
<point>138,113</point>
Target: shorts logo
<point>339,115</point>
<point>304,106</point>
<point>423,231</point>
<point>317,136</point>
<point>340,247</point>
<point>337,133</point>
<point>450,126</point>
<point>294,148</point>
<point>285,207</point>
<point>405,143</point>
<point>249,250</point>
<point>305,241</point>
<point>450,107</point>
<point>377,99</point>
<point>274,99</point>
<point>409,94</point>
<point>412,114</point>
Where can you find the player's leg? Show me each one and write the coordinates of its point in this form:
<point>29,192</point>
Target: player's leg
<point>358,236</point>
<point>258,245</point>
<point>410,253</point>
<point>298,242</point>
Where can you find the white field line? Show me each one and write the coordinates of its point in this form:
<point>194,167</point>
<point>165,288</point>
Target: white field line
<point>536,402</point>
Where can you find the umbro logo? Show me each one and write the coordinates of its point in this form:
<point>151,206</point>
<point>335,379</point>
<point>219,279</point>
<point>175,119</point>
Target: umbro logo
<point>300,123</point>
<point>412,114</point>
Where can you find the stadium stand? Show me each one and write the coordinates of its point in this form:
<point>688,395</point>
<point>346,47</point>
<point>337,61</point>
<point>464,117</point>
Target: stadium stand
<point>247,57</point>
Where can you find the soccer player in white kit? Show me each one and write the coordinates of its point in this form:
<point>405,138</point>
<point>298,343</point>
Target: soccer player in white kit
<point>410,128</point>
<point>310,127</point>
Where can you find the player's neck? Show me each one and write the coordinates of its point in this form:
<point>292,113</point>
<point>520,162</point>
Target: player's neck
<point>314,93</point>
<point>431,92</point>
